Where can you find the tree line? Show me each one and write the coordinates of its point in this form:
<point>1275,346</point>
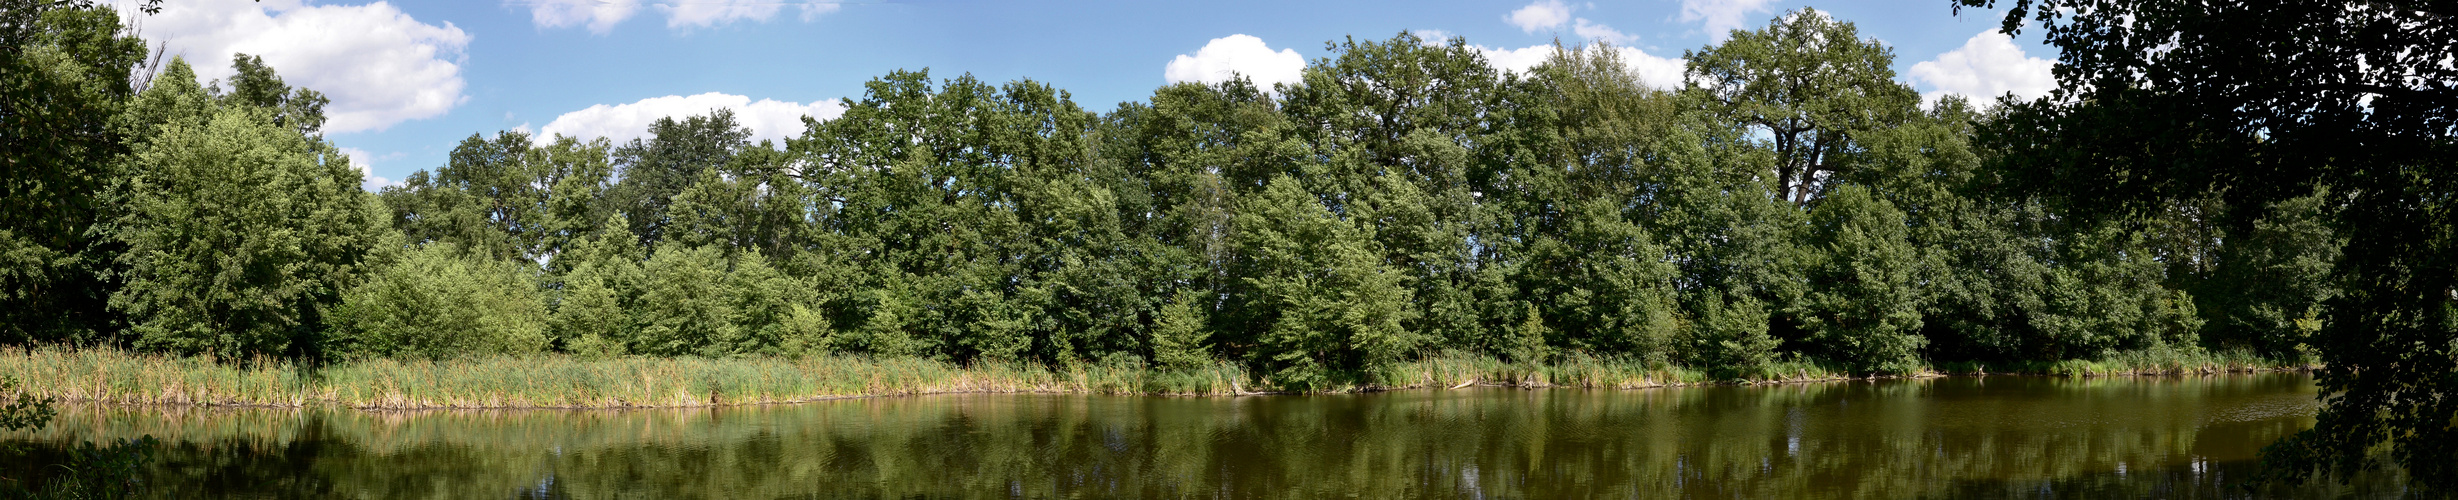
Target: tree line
<point>1405,198</point>
<point>2207,178</point>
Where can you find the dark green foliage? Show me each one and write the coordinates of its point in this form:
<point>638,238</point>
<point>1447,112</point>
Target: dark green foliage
<point>1864,306</point>
<point>240,232</point>
<point>694,301</point>
<point>257,85</point>
<point>26,412</point>
<point>2267,103</point>
<point>1729,337</point>
<point>490,200</point>
<point>436,304</point>
<point>63,77</point>
<point>1601,284</point>
<point>1404,198</point>
<point>1322,305</point>
<point>1180,333</point>
<point>2260,288</point>
<point>1757,79</point>
<point>672,158</point>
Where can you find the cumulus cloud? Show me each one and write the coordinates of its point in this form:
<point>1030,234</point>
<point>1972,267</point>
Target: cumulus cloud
<point>1596,31</point>
<point>1657,72</point>
<point>378,65</point>
<point>1237,55</point>
<point>1720,17</point>
<point>599,15</point>
<point>365,163</point>
<point>767,118</point>
<point>602,15</point>
<point>1539,16</point>
<point>1987,66</point>
<point>1553,14</point>
<point>1517,60</point>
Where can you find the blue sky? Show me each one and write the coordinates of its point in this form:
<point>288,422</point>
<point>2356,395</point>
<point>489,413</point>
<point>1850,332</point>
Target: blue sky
<point>410,80</point>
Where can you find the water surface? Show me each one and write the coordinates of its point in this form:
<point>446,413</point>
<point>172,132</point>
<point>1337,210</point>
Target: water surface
<point>2009,437</point>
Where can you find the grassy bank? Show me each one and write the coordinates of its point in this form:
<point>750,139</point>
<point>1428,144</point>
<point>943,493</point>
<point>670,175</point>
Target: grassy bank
<point>558,381</point>
<point>2143,362</point>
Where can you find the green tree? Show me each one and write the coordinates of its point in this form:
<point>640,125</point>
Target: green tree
<point>2266,103</point>
<point>1186,158</point>
<point>2272,282</point>
<point>1602,283</point>
<point>489,199</point>
<point>753,202</point>
<point>1729,337</point>
<point>685,305</point>
<point>64,75</point>
<point>1388,128</point>
<point>672,158</point>
<point>1180,332</point>
<point>600,285</point>
<point>1811,83</point>
<point>240,232</point>
<point>1863,307</point>
<point>255,84</point>
<point>1328,306</point>
<point>437,303</point>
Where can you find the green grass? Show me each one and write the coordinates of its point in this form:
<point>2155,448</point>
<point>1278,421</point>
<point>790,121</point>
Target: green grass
<point>559,381</point>
<point>564,381</point>
<point>2154,361</point>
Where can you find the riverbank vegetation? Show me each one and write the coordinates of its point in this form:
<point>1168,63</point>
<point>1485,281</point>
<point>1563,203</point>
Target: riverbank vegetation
<point>540,381</point>
<point>1408,204</point>
<point>1790,441</point>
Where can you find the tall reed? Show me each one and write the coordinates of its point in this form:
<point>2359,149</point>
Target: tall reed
<point>563,381</point>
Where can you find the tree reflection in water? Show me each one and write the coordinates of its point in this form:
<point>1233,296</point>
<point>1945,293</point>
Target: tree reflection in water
<point>1954,437</point>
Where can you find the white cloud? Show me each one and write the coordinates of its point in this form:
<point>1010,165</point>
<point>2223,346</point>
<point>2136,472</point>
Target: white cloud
<point>1595,31</point>
<point>1517,60</point>
<point>602,15</point>
<point>1553,14</point>
<point>707,13</point>
<point>1432,38</point>
<point>365,163</point>
<point>1539,16</point>
<point>812,11</point>
<point>378,65</point>
<point>767,118</point>
<point>1987,66</point>
<point>1239,55</point>
<point>599,15</point>
<point>1657,72</point>
<point>1720,17</point>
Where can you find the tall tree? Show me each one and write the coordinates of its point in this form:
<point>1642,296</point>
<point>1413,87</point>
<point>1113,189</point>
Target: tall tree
<point>256,84</point>
<point>241,232</point>
<point>64,76</point>
<point>1811,83</point>
<point>1390,128</point>
<point>1864,305</point>
<point>2167,100</point>
<point>669,160</point>
<point>1324,305</point>
<point>488,199</point>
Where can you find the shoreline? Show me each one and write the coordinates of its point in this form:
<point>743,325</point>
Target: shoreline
<point>561,382</point>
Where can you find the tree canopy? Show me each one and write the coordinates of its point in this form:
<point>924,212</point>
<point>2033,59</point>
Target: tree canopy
<point>2211,178</point>
<point>2256,107</point>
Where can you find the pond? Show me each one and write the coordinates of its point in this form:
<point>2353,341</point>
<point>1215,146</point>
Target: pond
<point>1957,437</point>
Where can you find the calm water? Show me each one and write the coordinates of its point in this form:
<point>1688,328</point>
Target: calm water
<point>2025,437</point>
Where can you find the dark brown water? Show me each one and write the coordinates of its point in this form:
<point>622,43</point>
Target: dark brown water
<point>1994,437</point>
